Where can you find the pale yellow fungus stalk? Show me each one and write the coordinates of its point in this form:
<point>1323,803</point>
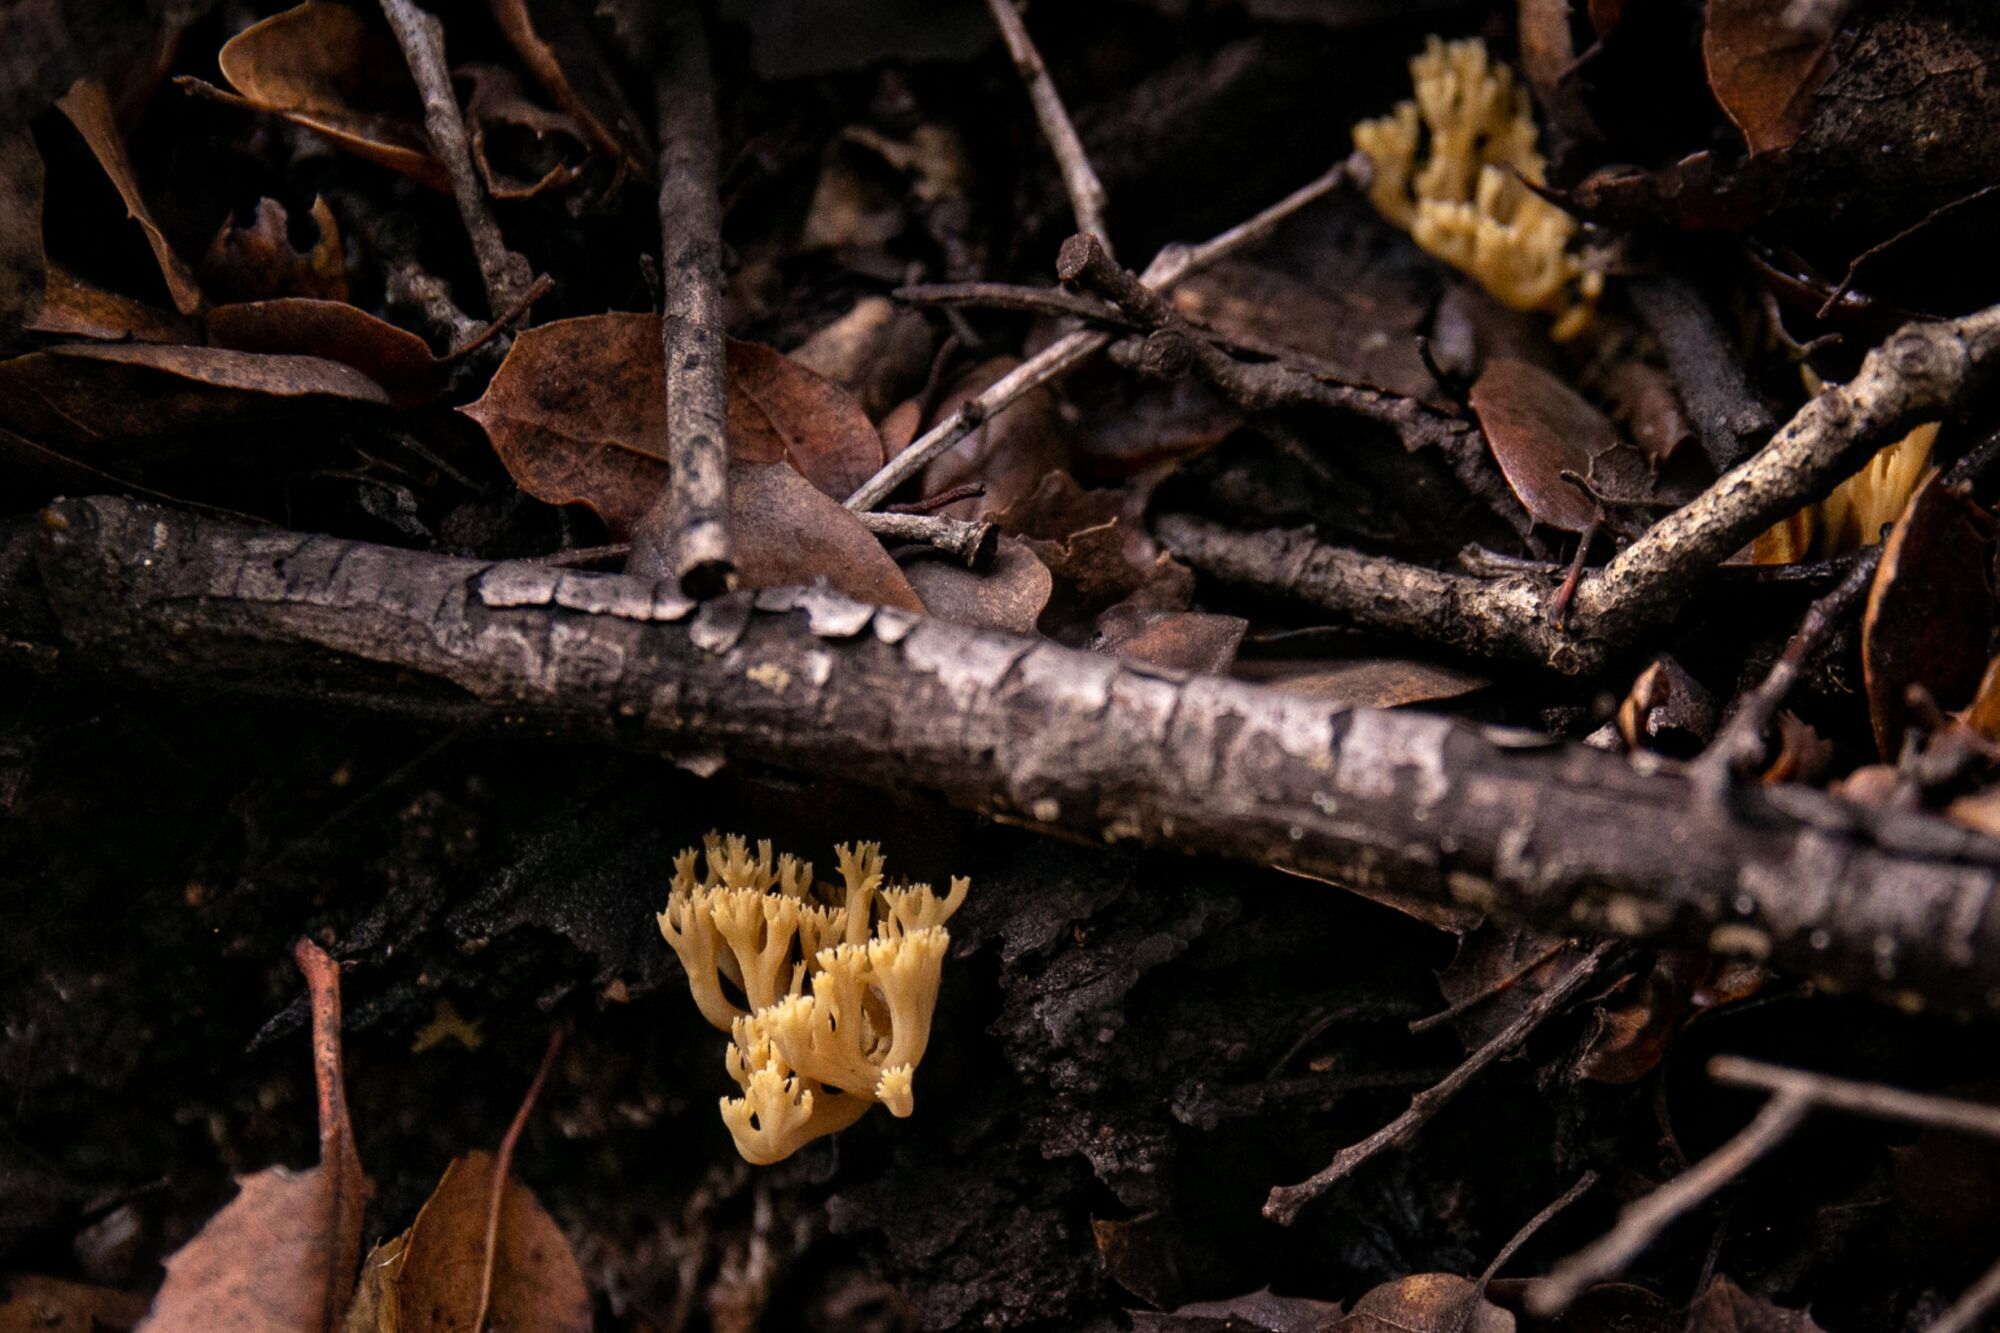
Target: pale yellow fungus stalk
<point>840,981</point>
<point>1854,515</point>
<point>1467,203</point>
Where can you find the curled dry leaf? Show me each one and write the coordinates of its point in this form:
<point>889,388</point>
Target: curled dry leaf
<point>1426,1303</point>
<point>1539,428</point>
<point>73,308</point>
<point>430,1281</point>
<point>1008,597</point>
<point>1011,452</point>
<point>789,532</point>
<point>1184,640</point>
<point>578,416</point>
<point>1930,609</point>
<point>560,54</point>
<point>392,357</point>
<point>1764,70</point>
<point>1667,710</point>
<point>280,1257</point>
<point>104,397</point>
<point>497,104</point>
<point>321,66</point>
<point>89,109</point>
<point>258,263</point>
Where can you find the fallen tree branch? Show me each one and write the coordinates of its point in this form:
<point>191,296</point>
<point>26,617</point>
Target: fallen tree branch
<point>1904,905</point>
<point>685,533</point>
<point>1923,372</point>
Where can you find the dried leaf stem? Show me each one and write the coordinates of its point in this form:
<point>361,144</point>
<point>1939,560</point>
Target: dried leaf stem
<point>505,273</point>
<point>1641,1222</point>
<point>336,1133</point>
<point>1286,1201</point>
<point>1170,266</point>
<point>685,534</point>
<point>503,1168</point>
<point>1086,192</point>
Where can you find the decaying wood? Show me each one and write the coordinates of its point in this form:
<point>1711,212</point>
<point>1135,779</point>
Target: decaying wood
<point>1923,372</point>
<point>1903,905</point>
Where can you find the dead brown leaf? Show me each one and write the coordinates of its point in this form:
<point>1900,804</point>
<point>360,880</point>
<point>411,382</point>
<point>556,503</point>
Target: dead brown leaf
<point>1498,972</point>
<point>1763,70</point>
<point>1371,682</point>
<point>258,263</point>
<point>1183,640</point>
<point>89,109</point>
<point>30,1303</point>
<point>280,1257</point>
<point>321,66</point>
<point>436,1280</point>
<point>1009,596</point>
<point>1643,400</point>
<point>105,396</point>
<point>1930,609</point>
<point>73,308</point>
<point>788,532</point>
<point>1011,452</point>
<point>392,357</point>
<point>1426,1303</point>
<point>1539,428</point>
<point>501,118</point>
<point>1727,1308</point>
<point>562,57</point>
<point>578,416</point>
<point>22,265</point>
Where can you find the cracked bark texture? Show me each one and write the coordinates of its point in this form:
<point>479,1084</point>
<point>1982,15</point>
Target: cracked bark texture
<point>1904,906</point>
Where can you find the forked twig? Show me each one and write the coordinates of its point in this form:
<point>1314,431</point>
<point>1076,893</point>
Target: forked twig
<point>1286,1201</point>
<point>1086,192</point>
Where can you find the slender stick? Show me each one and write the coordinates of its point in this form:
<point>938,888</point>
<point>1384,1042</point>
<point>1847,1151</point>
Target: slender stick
<point>1086,192</point>
<point>1285,1201</point>
<point>1965,1312</point>
<point>1641,1222</point>
<point>503,1169</point>
<point>685,534</point>
<point>505,273</point>
<point>1170,266</point>
<point>1535,1224</point>
<point>1869,1099</point>
<point>973,543</point>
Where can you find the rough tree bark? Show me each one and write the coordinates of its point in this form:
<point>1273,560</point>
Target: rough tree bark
<point>1904,906</point>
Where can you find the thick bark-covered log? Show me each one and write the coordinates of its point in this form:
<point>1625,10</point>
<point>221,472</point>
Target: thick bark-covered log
<point>1904,906</point>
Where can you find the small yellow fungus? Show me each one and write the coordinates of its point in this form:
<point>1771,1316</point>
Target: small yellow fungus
<point>1469,202</point>
<point>1854,515</point>
<point>838,984</point>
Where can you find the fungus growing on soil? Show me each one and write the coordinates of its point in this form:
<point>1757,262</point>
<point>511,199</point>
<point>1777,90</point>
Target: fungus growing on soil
<point>837,984</point>
<point>1470,203</point>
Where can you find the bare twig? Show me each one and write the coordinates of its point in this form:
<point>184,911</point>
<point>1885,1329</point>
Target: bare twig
<point>973,543</point>
<point>1965,1312</point>
<point>1535,1224</point>
<point>1485,993</point>
<point>1170,266</point>
<point>1286,1201</point>
<point>1086,192</point>
<point>505,273</point>
<point>1052,301</point>
<point>1923,372</point>
<point>1870,1099</point>
<point>1641,1222</point>
<point>503,1168</point>
<point>686,531</point>
<point>537,289</point>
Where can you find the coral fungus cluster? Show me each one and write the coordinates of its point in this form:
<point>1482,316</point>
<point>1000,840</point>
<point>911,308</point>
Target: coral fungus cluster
<point>837,982</point>
<point>1469,202</point>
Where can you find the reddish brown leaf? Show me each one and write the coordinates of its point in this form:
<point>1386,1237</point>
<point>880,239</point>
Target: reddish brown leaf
<point>1009,596</point>
<point>1983,713</point>
<point>1426,1303</point>
<point>73,308</point>
<point>89,109</point>
<point>394,358</point>
<point>1538,428</point>
<point>1763,70</point>
<point>1380,682</point>
<point>437,1277</point>
<point>1184,640</point>
<point>576,79</point>
<point>878,351</point>
<point>1643,400</point>
<point>105,396</point>
<point>781,412</point>
<point>1009,454</point>
<point>788,532</point>
<point>321,66</point>
<point>34,1304</point>
<point>1727,1308</point>
<point>578,416</point>
<point>1930,609</point>
<point>258,263</point>
<point>1636,1022</point>
<point>280,1257</point>
<point>498,104</point>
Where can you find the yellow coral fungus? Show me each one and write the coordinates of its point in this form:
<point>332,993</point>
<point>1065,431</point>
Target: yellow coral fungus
<point>1854,515</point>
<point>840,983</point>
<point>1467,204</point>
